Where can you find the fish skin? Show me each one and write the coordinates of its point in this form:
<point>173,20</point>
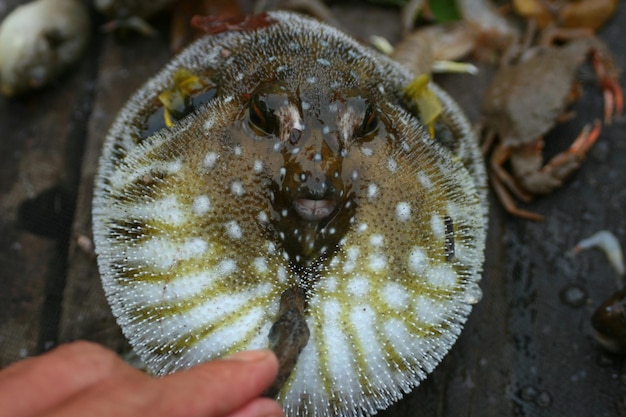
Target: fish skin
<point>202,227</point>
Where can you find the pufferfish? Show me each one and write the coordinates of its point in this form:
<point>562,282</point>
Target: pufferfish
<point>296,201</point>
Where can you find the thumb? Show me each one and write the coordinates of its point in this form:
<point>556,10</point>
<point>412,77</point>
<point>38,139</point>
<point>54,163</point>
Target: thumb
<point>222,386</point>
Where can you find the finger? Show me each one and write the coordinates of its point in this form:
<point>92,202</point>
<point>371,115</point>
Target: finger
<point>31,386</point>
<point>213,389</point>
<point>260,407</point>
<point>220,387</point>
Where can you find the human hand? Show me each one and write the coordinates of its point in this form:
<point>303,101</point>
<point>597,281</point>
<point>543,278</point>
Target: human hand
<point>84,379</point>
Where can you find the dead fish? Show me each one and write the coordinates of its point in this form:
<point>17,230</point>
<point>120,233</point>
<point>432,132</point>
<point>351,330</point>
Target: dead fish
<point>298,203</point>
<point>40,40</point>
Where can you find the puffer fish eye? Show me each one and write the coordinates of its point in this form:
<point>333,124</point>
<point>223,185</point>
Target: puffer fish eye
<point>370,122</point>
<point>267,107</point>
<point>263,120</point>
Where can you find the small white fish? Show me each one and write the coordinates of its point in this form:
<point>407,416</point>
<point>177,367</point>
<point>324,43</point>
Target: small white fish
<point>608,243</point>
<point>38,41</point>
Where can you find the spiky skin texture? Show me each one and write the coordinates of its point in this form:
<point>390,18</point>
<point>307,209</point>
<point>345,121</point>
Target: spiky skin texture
<point>306,168</point>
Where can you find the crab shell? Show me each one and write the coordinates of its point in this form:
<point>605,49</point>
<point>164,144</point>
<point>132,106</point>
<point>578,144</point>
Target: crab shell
<point>199,228</point>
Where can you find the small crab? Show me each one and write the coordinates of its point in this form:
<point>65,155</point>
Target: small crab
<point>567,13</point>
<point>524,101</point>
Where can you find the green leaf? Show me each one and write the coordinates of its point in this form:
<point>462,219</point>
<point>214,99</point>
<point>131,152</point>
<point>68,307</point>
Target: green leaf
<point>444,10</point>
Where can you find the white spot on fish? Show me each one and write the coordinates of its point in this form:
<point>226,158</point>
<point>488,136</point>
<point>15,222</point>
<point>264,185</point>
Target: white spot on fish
<point>358,286</point>
<point>377,262</point>
<point>194,247</point>
<point>330,284</point>
<point>260,264</point>
<point>236,188</point>
<point>233,230</point>
<point>258,166</point>
<point>262,217</point>
<point>174,166</point>
<point>323,61</point>
<point>395,295</point>
<point>418,261</point>
<point>237,150</point>
<point>227,266</point>
<point>355,175</point>
<point>168,210</point>
<point>311,80</point>
<point>424,180</point>
<point>367,151</point>
<point>437,226</point>
<point>403,211</point>
<point>340,363</point>
<point>376,240</point>
<point>362,227</point>
<point>392,165</point>
<point>210,159</point>
<point>441,276</point>
<point>352,254</point>
<point>372,191</point>
<point>306,105</point>
<point>428,311</point>
<point>201,205</point>
<point>271,248</point>
<point>281,274</point>
<point>326,130</point>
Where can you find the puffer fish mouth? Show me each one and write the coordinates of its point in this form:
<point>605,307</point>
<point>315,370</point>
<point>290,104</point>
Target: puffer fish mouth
<point>314,209</point>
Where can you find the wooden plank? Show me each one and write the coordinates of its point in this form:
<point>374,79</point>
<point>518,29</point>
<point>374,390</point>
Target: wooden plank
<point>38,176</point>
<point>124,66</point>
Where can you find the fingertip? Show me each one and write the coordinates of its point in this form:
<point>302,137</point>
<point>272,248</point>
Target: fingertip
<point>260,407</point>
<point>252,356</point>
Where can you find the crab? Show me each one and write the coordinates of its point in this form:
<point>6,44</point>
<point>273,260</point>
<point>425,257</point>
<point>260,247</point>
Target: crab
<point>525,101</point>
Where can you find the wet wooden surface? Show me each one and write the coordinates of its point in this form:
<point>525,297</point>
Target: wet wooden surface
<point>525,350</point>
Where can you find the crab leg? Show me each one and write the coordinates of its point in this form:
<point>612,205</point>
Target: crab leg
<point>499,156</point>
<point>507,201</point>
<point>609,82</point>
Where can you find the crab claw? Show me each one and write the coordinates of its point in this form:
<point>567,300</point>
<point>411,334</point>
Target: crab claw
<point>608,76</point>
<point>562,165</point>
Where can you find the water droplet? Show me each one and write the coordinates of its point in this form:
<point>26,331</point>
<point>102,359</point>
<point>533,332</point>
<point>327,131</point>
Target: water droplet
<point>473,294</point>
<point>573,296</point>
